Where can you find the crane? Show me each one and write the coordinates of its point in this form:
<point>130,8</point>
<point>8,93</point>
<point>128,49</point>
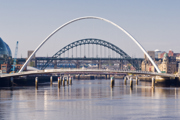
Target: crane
<point>15,57</point>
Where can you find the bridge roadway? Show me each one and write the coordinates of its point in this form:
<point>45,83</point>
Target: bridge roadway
<point>79,58</point>
<point>85,71</point>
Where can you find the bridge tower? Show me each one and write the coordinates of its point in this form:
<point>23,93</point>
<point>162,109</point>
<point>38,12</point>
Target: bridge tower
<point>77,64</point>
<point>99,64</point>
<point>55,64</point>
<point>120,64</point>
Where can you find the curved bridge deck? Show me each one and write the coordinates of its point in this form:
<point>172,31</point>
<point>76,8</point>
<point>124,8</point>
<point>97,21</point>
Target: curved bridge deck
<point>84,71</point>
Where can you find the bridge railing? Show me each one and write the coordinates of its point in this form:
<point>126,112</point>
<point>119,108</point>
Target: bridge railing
<point>106,71</point>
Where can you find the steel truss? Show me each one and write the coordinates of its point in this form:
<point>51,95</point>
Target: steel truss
<point>92,41</point>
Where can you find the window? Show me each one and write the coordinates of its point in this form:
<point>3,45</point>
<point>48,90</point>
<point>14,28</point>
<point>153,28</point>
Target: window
<point>3,66</point>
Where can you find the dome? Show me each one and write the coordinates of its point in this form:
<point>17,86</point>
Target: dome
<point>165,55</point>
<point>4,49</point>
<point>8,49</point>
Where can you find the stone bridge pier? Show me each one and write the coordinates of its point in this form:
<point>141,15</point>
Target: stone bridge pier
<point>120,64</point>
<point>55,64</point>
<point>77,64</point>
<point>99,64</point>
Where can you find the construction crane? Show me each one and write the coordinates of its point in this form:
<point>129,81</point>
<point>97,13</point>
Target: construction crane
<point>15,57</point>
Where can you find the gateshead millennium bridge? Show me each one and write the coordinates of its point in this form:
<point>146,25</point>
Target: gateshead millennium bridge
<point>89,17</point>
<point>84,42</point>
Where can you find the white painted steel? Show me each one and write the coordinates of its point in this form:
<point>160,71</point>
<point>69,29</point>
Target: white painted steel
<point>89,17</point>
<point>86,71</point>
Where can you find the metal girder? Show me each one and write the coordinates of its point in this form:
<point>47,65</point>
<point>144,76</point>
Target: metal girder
<point>89,41</point>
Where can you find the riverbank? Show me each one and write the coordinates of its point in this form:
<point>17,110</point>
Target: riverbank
<point>162,81</point>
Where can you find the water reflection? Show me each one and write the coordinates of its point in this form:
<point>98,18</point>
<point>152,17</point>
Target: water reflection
<point>90,99</point>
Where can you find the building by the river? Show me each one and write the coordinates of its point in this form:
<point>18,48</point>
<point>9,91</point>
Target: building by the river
<point>168,63</point>
<point>5,57</point>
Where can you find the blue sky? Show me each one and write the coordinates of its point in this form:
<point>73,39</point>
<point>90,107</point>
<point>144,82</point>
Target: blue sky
<point>154,23</point>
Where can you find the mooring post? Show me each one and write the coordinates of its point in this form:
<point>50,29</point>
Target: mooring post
<point>59,82</point>
<point>136,80</point>
<point>125,80</point>
<point>36,82</point>
<point>131,82</point>
<point>51,80</point>
<point>112,81</point>
<point>153,82</point>
<point>12,82</point>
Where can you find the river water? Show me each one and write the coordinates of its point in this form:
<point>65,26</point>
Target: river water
<point>90,100</point>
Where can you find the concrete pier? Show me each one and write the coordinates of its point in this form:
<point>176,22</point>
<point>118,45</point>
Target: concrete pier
<point>61,77</point>
<point>36,82</point>
<point>59,82</point>
<point>131,82</point>
<point>125,80</point>
<point>51,80</point>
<point>112,81</point>
<point>70,80</point>
<point>153,82</point>
<point>67,80</point>
<point>136,80</point>
<point>63,83</point>
<point>12,82</point>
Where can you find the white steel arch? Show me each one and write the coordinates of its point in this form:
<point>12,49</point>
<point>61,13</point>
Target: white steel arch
<point>89,17</point>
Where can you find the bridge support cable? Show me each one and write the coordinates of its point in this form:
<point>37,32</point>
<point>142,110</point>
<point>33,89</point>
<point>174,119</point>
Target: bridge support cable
<point>76,51</point>
<point>80,51</point>
<point>84,50</point>
<point>88,17</point>
<point>68,53</point>
<point>111,52</point>
<point>92,50</point>
<point>100,51</point>
<point>97,51</point>
<point>72,53</point>
<point>104,52</point>
<point>88,50</point>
